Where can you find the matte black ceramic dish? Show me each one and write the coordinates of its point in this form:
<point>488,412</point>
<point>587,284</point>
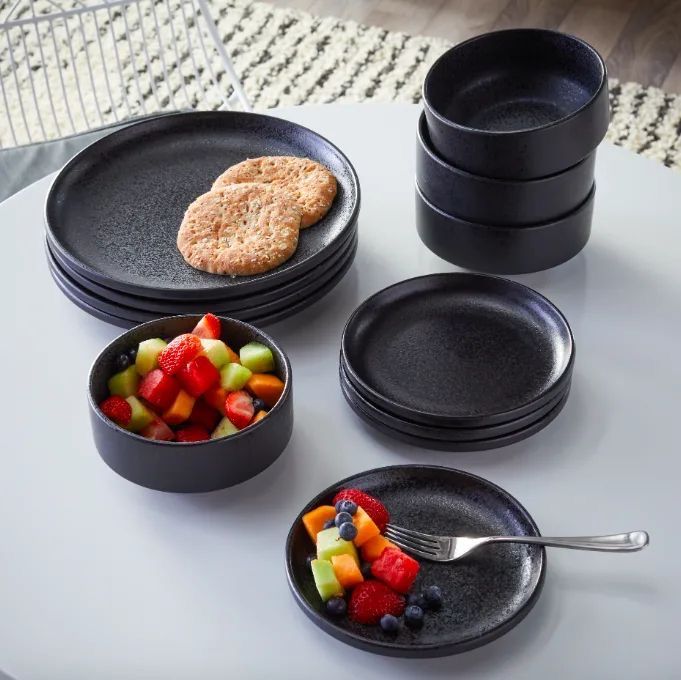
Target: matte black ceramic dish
<point>485,595</point>
<point>451,434</point>
<point>458,350</point>
<point>453,445</point>
<point>114,209</point>
<point>496,201</point>
<point>503,250</point>
<point>190,467</point>
<point>517,104</point>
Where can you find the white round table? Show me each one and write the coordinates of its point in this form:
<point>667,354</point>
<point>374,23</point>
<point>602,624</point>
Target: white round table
<point>100,578</point>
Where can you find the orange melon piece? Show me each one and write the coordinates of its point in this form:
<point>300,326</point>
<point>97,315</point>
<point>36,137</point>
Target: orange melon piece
<point>366,528</point>
<point>258,417</point>
<point>180,409</point>
<point>265,386</point>
<point>233,356</point>
<point>372,549</point>
<point>347,571</point>
<point>315,519</point>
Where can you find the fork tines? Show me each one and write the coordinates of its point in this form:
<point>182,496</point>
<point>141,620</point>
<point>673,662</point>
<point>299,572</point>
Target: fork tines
<point>423,545</point>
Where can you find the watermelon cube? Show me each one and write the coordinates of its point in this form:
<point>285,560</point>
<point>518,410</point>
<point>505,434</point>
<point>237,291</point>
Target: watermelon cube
<point>198,376</point>
<point>158,389</point>
<point>158,430</point>
<point>395,569</point>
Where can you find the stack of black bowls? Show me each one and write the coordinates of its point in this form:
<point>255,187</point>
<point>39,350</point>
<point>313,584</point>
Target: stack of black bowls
<point>506,150</point>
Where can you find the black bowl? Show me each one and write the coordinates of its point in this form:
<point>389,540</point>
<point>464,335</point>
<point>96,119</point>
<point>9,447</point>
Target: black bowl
<point>190,467</point>
<point>503,250</point>
<point>497,201</point>
<point>517,104</point>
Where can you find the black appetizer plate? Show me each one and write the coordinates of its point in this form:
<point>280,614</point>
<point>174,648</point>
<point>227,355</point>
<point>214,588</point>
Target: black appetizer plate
<point>496,201</point>
<point>114,210</point>
<point>517,104</point>
<point>462,350</point>
<point>452,445</point>
<point>485,595</point>
<point>199,466</point>
<point>448,434</point>
<point>503,250</point>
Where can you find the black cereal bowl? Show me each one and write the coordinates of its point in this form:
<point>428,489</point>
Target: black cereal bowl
<point>496,201</point>
<point>517,104</point>
<point>485,595</point>
<point>503,250</point>
<point>190,467</point>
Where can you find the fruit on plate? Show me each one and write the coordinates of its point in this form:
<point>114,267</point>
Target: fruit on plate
<point>256,357</point>
<point>216,397</point>
<point>234,376</point>
<point>198,375</point>
<point>140,417</point>
<point>258,417</point>
<point>329,543</point>
<point>239,408</point>
<point>372,506</point>
<point>158,389</point>
<point>413,616</point>
<point>124,383</point>
<point>224,429</point>
<point>371,600</point>
<point>325,579</point>
<point>396,569</point>
<point>314,520</point>
<point>366,528</point>
<point>336,606</point>
<point>208,327</point>
<point>180,409</point>
<point>265,386</point>
<point>157,429</point>
<point>192,433</point>
<point>204,415</point>
<point>117,409</point>
<point>179,351</point>
<point>146,359</point>
<point>371,550</point>
<point>347,571</point>
<point>217,352</point>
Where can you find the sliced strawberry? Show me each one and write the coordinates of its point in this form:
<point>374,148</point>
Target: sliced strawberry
<point>178,352</point>
<point>370,600</point>
<point>372,506</point>
<point>158,389</point>
<point>216,397</point>
<point>159,430</point>
<point>192,433</point>
<point>198,375</point>
<point>209,327</point>
<point>204,415</point>
<point>117,409</point>
<point>239,408</point>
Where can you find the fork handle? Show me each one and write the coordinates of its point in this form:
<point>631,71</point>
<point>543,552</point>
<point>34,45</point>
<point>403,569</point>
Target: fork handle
<point>629,542</point>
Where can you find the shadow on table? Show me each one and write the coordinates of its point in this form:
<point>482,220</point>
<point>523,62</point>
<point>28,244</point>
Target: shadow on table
<point>5,676</point>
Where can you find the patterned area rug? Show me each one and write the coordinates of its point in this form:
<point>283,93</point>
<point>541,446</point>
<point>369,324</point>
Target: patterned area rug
<point>282,56</point>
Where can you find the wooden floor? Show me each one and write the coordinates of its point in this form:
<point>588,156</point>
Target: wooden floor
<point>640,39</point>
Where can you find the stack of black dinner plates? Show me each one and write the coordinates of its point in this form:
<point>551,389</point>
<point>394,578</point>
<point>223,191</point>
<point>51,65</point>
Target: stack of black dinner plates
<point>458,362</point>
<point>113,213</point>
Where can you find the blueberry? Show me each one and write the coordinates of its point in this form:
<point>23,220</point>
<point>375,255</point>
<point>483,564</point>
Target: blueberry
<point>328,524</point>
<point>132,353</point>
<point>346,506</point>
<point>347,531</point>
<point>417,599</point>
<point>336,606</point>
<point>366,570</point>
<point>413,616</point>
<point>433,597</point>
<point>342,518</point>
<point>122,362</point>
<point>259,405</point>
<point>389,623</point>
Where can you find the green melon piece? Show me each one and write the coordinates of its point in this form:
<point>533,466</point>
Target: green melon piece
<point>216,351</point>
<point>141,415</point>
<point>125,383</point>
<point>325,580</point>
<point>256,357</point>
<point>329,543</point>
<point>224,429</point>
<point>234,376</point>
<point>147,355</point>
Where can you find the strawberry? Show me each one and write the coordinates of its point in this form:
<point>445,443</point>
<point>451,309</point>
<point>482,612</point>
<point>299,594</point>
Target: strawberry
<point>158,389</point>
<point>396,569</point>
<point>373,507</point>
<point>370,600</point>
<point>239,408</point>
<point>192,433</point>
<point>204,415</point>
<point>159,430</point>
<point>209,327</point>
<point>216,397</point>
<point>117,409</point>
<point>178,352</point>
<point>198,375</point>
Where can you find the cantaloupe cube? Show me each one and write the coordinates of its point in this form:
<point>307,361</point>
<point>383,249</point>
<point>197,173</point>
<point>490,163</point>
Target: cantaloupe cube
<point>346,570</point>
<point>315,519</point>
<point>180,409</point>
<point>366,528</point>
<point>372,549</point>
<point>329,543</point>
<point>325,580</point>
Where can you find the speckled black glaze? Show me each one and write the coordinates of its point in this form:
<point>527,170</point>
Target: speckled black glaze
<point>517,104</point>
<point>464,350</point>
<point>114,210</point>
<point>494,201</point>
<point>503,250</point>
<point>485,595</point>
<point>455,434</point>
<point>200,466</point>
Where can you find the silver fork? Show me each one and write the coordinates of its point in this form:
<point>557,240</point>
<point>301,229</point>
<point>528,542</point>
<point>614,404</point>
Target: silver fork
<point>452,548</point>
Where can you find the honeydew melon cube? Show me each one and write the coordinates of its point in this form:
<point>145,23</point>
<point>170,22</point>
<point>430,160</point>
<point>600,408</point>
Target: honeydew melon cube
<point>257,357</point>
<point>329,543</point>
<point>224,428</point>
<point>216,351</point>
<point>125,383</point>
<point>234,376</point>
<point>325,580</point>
<point>141,415</point>
<point>147,355</point>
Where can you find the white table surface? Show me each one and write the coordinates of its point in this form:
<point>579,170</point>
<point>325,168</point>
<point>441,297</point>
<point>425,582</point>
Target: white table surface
<point>100,578</point>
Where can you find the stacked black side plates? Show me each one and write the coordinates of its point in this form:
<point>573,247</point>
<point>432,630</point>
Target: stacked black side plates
<point>458,362</point>
<point>113,213</point>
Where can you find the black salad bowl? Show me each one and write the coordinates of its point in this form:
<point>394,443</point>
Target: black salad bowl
<point>190,467</point>
<point>517,104</point>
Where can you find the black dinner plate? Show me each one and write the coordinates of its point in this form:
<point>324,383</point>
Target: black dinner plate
<point>485,595</point>
<point>113,211</point>
<point>449,434</point>
<point>463,350</point>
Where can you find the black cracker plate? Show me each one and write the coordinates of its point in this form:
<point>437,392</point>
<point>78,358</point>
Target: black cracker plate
<point>458,349</point>
<point>114,210</point>
<point>485,595</point>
